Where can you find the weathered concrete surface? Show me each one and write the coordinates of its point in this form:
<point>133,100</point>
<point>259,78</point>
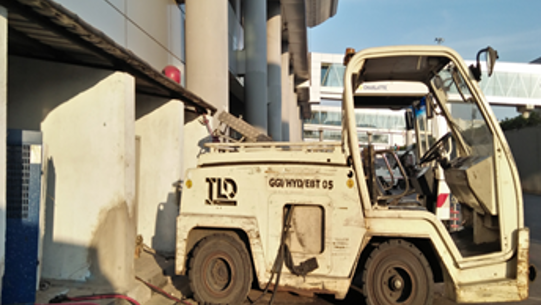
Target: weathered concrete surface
<point>87,118</point>
<point>159,127</point>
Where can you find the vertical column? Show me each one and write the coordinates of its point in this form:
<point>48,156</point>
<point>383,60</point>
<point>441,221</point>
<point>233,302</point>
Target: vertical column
<point>207,72</point>
<point>255,81</point>
<point>296,133</point>
<point>123,266</point>
<point>207,51</point>
<point>160,125</point>
<point>294,112</point>
<point>286,88</point>
<point>3,102</point>
<point>274,62</point>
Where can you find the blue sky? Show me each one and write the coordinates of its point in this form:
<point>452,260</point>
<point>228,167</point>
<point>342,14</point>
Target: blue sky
<point>513,28</point>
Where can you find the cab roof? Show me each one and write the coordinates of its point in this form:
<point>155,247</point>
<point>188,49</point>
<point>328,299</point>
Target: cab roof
<point>417,64</point>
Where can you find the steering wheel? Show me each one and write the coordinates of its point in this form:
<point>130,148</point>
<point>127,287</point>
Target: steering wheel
<point>434,151</point>
<point>405,155</point>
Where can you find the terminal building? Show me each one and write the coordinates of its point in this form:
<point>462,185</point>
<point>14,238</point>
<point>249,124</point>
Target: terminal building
<point>107,136</point>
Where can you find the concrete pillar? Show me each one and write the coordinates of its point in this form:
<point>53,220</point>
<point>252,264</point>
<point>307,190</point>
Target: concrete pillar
<point>255,79</point>
<point>207,72</point>
<point>297,132</point>
<point>286,92</point>
<point>3,102</point>
<point>159,127</point>
<point>274,62</point>
<point>87,119</point>
<point>294,112</point>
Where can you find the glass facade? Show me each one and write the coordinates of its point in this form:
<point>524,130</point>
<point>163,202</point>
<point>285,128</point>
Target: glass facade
<point>512,84</point>
<point>387,127</point>
<point>372,119</point>
<point>504,82</point>
<point>332,75</point>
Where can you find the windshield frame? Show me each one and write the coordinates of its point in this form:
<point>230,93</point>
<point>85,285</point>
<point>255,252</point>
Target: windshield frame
<point>473,98</point>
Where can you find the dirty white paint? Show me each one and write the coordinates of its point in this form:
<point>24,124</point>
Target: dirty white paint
<point>159,126</point>
<point>256,204</point>
<point>3,98</point>
<point>87,119</point>
<point>150,29</point>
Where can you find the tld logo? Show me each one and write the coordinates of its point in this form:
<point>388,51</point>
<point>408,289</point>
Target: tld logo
<point>221,191</point>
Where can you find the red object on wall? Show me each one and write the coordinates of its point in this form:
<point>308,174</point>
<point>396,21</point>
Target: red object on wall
<point>172,72</point>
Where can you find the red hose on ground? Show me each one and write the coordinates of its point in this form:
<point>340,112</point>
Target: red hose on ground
<point>63,298</point>
<point>161,291</point>
<point>78,303</point>
<point>104,296</point>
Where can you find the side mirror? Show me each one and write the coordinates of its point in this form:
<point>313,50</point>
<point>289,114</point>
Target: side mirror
<point>490,56</point>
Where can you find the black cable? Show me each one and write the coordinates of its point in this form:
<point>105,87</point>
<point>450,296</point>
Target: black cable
<point>279,260</point>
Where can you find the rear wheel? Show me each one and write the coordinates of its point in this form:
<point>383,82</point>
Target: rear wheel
<point>397,272</point>
<point>220,270</point>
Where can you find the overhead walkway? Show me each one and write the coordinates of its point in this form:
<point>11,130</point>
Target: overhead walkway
<point>511,84</point>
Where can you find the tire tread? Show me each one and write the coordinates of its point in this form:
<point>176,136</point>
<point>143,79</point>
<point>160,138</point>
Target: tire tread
<point>200,246</point>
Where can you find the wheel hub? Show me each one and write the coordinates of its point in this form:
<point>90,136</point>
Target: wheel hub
<point>219,274</point>
<point>396,283</point>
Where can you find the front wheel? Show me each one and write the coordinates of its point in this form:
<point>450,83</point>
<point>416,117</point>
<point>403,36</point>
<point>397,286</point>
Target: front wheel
<point>220,271</point>
<point>397,272</point>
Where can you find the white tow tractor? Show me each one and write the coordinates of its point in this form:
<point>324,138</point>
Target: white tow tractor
<point>313,218</point>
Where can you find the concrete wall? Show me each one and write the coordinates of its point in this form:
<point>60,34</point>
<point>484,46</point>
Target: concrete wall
<point>150,29</point>
<point>159,127</point>
<point>3,98</point>
<point>526,147</point>
<point>196,135</point>
<point>87,119</point>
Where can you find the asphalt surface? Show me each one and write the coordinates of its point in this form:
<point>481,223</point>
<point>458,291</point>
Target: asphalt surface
<point>532,216</point>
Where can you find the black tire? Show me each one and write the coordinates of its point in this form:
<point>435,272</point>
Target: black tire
<point>397,272</point>
<point>220,271</point>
